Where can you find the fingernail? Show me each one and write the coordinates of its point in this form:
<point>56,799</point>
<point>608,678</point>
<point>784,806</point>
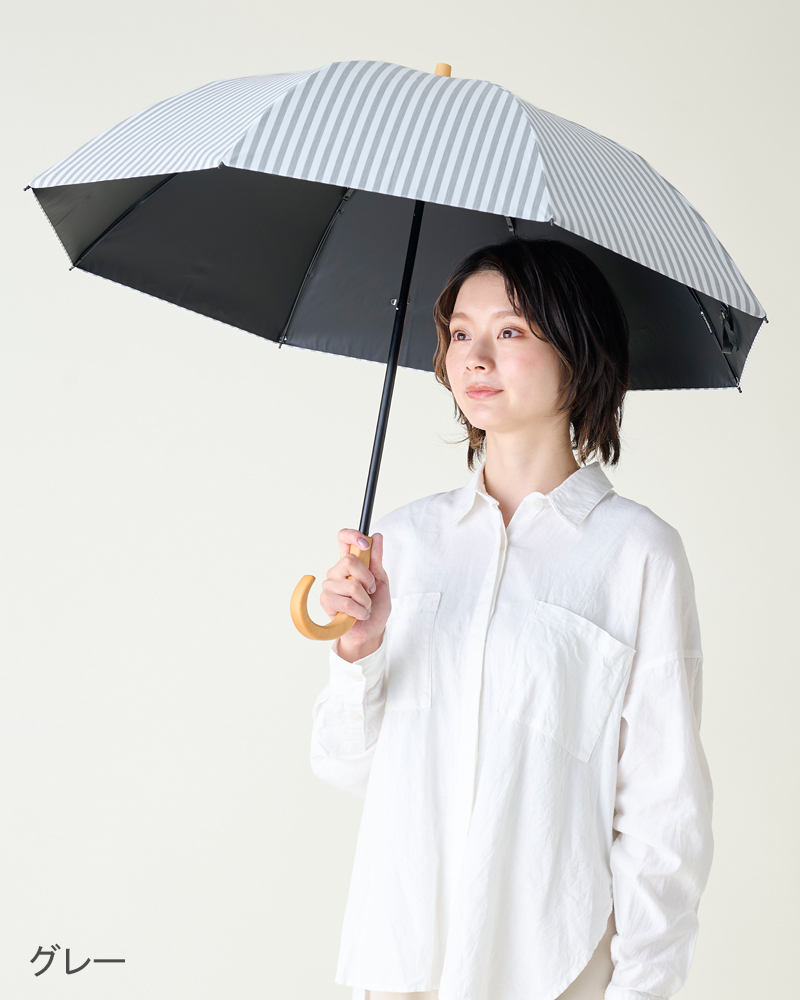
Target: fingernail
<point>363,542</point>
<point>372,588</point>
<point>368,614</point>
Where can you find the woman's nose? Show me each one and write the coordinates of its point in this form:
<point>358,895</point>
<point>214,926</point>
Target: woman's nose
<point>479,354</point>
<point>478,357</point>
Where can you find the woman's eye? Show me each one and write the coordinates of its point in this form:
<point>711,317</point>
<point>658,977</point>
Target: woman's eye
<point>506,334</point>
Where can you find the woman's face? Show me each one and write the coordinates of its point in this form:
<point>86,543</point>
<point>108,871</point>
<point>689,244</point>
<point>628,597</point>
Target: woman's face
<point>502,375</point>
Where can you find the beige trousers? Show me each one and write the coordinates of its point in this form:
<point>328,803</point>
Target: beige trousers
<point>590,984</point>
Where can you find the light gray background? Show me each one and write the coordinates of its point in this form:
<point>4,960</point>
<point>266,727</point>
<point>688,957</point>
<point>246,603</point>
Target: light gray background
<point>166,480</point>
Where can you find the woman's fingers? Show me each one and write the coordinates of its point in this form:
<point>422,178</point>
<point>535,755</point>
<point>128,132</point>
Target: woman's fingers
<point>348,583</point>
<point>351,536</point>
<point>345,595</point>
<point>376,558</point>
<point>358,590</point>
<point>334,603</point>
<point>347,588</point>
<point>351,566</point>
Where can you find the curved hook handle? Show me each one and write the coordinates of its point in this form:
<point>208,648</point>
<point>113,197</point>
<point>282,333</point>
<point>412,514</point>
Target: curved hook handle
<point>341,623</point>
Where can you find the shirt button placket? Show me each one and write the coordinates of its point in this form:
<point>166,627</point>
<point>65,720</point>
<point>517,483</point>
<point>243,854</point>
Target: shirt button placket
<point>473,678</point>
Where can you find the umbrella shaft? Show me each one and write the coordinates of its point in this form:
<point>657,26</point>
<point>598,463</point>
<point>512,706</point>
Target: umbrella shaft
<point>391,369</point>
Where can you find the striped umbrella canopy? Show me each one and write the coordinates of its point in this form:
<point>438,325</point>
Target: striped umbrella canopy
<point>290,205</point>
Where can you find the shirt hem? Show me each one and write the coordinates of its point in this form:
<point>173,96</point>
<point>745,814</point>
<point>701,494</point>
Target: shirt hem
<point>621,993</point>
<point>578,968</point>
<point>359,992</point>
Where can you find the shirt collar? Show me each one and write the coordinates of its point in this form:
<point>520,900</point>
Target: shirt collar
<point>572,500</point>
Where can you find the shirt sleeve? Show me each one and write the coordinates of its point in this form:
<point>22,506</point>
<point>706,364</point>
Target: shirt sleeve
<point>662,847</point>
<point>347,717</point>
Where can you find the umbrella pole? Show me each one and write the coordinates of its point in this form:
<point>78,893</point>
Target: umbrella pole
<point>391,369</point>
<point>343,622</point>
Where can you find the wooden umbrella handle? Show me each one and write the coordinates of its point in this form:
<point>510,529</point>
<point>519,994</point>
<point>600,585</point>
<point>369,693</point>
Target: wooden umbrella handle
<point>341,623</point>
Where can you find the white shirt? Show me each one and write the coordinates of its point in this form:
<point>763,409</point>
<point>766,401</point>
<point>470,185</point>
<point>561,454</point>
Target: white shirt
<point>526,739</point>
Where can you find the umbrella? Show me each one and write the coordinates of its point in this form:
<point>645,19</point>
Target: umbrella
<point>291,206</point>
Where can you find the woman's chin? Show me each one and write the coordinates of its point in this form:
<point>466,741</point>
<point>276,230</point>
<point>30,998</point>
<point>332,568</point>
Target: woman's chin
<point>485,421</point>
<point>483,417</point>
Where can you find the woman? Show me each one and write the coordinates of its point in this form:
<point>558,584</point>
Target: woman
<point>524,723</point>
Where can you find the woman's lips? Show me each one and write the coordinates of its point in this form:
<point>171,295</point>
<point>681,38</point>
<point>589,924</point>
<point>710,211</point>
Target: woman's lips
<point>482,393</point>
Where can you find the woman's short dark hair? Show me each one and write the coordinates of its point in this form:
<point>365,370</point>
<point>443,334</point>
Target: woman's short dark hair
<point>559,289</point>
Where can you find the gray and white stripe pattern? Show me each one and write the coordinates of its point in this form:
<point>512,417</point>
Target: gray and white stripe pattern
<point>376,126</point>
<point>613,197</point>
<point>384,128</point>
<point>192,131</point>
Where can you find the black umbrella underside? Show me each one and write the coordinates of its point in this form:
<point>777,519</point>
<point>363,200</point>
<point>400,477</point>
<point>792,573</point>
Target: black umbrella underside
<point>319,267</point>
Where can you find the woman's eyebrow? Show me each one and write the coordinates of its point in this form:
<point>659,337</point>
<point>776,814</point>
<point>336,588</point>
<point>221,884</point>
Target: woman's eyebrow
<point>497,313</point>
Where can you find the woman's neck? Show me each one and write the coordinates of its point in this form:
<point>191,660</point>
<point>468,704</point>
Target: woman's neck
<point>515,468</point>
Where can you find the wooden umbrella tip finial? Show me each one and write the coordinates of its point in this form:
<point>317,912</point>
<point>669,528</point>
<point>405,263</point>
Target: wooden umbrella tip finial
<point>442,69</point>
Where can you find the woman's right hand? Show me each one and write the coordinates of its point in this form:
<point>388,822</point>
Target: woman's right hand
<point>365,597</point>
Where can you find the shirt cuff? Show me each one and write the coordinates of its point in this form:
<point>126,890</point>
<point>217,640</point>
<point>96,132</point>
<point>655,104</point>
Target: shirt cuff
<point>620,993</point>
<point>367,670</point>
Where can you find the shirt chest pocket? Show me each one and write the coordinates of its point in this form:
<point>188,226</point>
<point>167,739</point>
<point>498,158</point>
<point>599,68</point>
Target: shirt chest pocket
<point>409,651</point>
<point>564,677</point>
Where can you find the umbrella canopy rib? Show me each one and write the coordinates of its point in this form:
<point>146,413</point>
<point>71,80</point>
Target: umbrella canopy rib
<point>345,198</point>
<point>124,215</point>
